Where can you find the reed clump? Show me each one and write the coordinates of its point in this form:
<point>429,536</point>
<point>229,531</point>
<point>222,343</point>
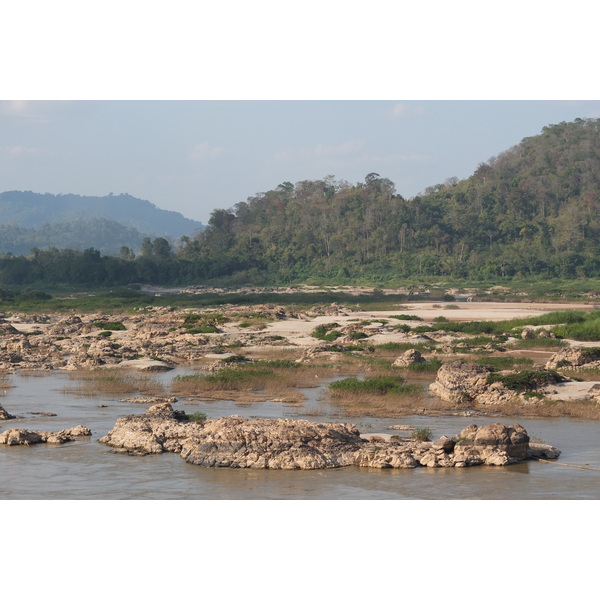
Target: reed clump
<point>95,383</point>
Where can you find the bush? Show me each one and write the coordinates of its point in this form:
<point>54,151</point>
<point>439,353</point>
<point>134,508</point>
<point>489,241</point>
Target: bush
<point>110,325</point>
<point>525,381</point>
<point>422,434</point>
<point>198,417</point>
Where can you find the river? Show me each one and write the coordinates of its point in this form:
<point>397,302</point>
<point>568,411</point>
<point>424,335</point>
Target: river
<point>85,469</point>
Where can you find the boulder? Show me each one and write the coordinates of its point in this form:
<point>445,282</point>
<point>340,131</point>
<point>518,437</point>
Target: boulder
<point>410,357</point>
<point>493,444</point>
<point>460,382</point>
<point>4,415</point>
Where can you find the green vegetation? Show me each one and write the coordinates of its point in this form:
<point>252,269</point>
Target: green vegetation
<point>109,325</point>
<point>385,384</point>
<point>198,417</point>
<point>525,381</point>
<point>422,434</point>
<point>325,333</point>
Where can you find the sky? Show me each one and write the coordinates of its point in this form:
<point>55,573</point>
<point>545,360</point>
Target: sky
<point>193,156</point>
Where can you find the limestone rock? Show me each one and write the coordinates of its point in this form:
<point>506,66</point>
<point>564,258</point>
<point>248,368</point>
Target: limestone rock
<point>273,444</point>
<point>460,382</point>
<point>493,444</point>
<point>410,357</point>
<point>26,437</point>
<point>575,356</point>
<point>160,429</point>
<point>236,442</point>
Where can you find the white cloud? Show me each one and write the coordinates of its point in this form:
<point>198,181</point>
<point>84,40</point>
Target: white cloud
<point>204,151</point>
<point>43,111</point>
<point>401,110</point>
<point>16,152</point>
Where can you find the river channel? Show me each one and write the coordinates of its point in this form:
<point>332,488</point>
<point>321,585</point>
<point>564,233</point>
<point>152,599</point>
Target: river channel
<point>86,469</point>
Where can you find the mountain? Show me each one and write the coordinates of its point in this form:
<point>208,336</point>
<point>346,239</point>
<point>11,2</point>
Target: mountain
<point>69,220</point>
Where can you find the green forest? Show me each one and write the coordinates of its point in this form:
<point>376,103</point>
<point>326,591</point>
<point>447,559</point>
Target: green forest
<point>530,212</point>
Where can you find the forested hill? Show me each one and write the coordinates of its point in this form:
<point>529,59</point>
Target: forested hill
<point>533,210</point>
<point>28,217</point>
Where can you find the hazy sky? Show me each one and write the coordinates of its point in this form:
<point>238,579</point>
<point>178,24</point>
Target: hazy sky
<point>194,156</point>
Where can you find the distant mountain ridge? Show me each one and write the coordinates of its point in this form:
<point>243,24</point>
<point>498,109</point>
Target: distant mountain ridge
<point>104,222</point>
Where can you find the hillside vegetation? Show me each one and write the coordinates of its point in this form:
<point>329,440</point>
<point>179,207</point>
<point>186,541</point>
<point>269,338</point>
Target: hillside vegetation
<point>529,213</point>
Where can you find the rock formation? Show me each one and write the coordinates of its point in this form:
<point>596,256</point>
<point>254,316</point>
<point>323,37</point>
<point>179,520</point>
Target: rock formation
<point>460,382</point>
<point>575,357</point>
<point>237,442</point>
<point>4,415</point>
<point>26,437</point>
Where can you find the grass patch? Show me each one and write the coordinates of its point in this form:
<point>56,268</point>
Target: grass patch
<point>525,381</point>
<point>373,385</point>
<point>326,332</point>
<point>404,317</point>
<point>110,325</point>
<point>95,383</point>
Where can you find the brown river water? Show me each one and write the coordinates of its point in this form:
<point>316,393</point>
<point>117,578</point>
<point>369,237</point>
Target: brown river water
<point>86,469</point>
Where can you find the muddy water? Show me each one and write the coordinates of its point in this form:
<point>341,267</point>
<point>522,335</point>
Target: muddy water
<point>86,469</point>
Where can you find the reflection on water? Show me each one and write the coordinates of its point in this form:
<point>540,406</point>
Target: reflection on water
<point>86,469</point>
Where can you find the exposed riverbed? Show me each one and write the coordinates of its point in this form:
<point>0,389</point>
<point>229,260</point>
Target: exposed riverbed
<point>85,469</point>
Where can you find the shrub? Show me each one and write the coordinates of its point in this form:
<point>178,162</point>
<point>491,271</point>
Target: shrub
<point>422,434</point>
<point>525,381</point>
<point>406,317</point>
<point>198,417</point>
<point>110,325</point>
<point>323,332</point>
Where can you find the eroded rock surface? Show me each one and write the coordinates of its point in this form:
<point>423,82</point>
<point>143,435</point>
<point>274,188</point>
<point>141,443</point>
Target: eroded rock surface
<point>26,437</point>
<point>460,382</point>
<point>237,442</point>
<point>575,357</point>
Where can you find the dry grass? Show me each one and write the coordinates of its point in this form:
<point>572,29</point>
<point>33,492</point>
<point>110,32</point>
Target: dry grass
<point>383,405</point>
<point>95,383</point>
<point>271,377</point>
<point>583,374</point>
<point>581,409</point>
<point>4,381</point>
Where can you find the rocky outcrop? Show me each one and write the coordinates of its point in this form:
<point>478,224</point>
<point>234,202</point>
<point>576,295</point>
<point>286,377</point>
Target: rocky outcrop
<point>237,442</point>
<point>4,415</point>
<point>26,437</point>
<point>575,357</point>
<point>273,444</point>
<point>160,429</point>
